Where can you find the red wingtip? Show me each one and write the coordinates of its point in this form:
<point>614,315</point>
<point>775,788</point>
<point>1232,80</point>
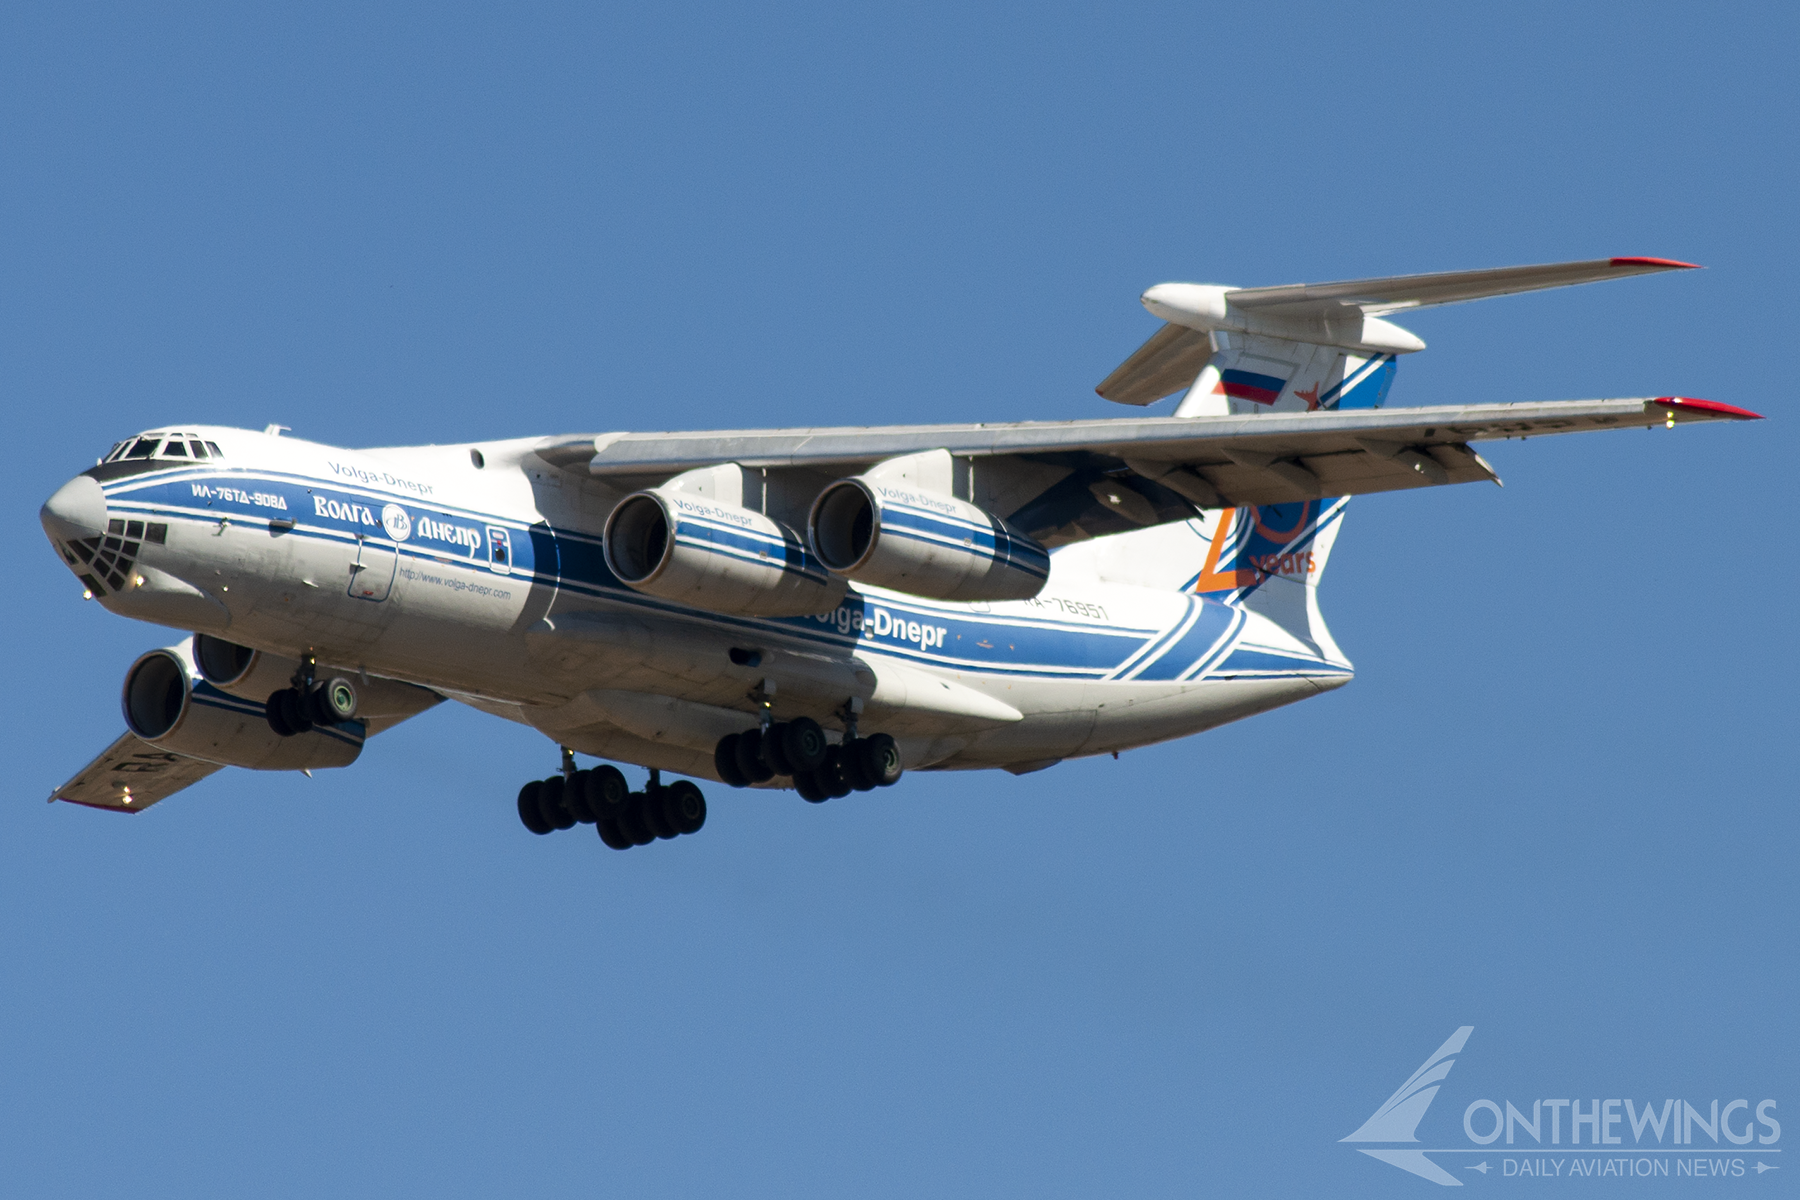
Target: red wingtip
<point>1670,263</point>
<point>1689,404</point>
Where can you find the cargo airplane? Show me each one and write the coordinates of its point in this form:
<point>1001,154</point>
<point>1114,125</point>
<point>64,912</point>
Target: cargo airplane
<point>813,609</point>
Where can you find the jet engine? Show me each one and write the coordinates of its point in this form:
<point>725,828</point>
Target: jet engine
<point>167,705</point>
<point>923,543</point>
<point>715,556</point>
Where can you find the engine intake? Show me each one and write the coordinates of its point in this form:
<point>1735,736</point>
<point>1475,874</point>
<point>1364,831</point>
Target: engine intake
<point>168,707</point>
<point>923,543</point>
<point>719,557</point>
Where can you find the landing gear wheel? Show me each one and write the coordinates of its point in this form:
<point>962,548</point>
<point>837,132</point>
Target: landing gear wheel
<point>275,712</point>
<point>879,757</point>
<point>833,776</point>
<point>750,762</point>
<point>774,750</point>
<point>332,702</point>
<point>656,813</point>
<point>803,744</point>
<point>686,806</point>
<point>550,803</point>
<point>576,797</point>
<point>854,773</point>
<point>724,761</point>
<point>607,792</point>
<point>611,834</point>
<point>287,715</point>
<point>807,784</point>
<point>632,825</point>
<point>529,814</point>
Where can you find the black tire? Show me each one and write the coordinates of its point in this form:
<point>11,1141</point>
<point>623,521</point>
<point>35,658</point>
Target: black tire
<point>725,761</point>
<point>853,767</point>
<point>687,807</point>
<point>612,835</point>
<point>293,710</point>
<point>529,814</point>
<point>804,744</point>
<point>575,797</point>
<point>273,710</point>
<point>833,775</point>
<point>632,825</point>
<point>808,786</point>
<point>332,702</point>
<point>774,750</point>
<point>750,762</point>
<point>656,814</point>
<point>550,803</point>
<point>880,759</point>
<point>607,792</point>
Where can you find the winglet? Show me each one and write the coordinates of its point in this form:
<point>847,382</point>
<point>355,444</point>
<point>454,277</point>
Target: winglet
<point>1712,408</point>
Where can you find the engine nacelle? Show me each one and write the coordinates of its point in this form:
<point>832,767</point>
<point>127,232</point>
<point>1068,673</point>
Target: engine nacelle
<point>169,707</point>
<point>719,557</point>
<point>923,543</point>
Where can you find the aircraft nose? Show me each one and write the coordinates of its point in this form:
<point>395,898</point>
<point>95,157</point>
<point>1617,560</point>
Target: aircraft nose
<point>76,511</point>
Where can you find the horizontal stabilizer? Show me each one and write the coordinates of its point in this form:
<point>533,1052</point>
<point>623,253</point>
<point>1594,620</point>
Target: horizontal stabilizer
<point>1346,314</point>
<point>1161,366</point>
<point>1377,296</point>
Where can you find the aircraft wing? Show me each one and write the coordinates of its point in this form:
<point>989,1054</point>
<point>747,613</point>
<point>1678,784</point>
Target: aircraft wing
<point>1261,458</point>
<point>130,775</point>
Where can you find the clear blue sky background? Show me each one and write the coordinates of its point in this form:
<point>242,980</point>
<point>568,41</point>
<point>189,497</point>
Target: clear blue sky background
<point>1558,803</point>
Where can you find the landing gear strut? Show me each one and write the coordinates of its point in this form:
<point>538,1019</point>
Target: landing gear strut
<point>600,797</point>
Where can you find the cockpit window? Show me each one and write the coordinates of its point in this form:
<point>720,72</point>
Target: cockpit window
<point>175,449</point>
<point>214,447</point>
<point>198,447</point>
<point>118,447</point>
<point>144,449</point>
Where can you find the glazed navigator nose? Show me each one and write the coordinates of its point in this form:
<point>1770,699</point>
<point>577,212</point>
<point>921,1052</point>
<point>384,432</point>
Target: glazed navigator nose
<point>76,511</point>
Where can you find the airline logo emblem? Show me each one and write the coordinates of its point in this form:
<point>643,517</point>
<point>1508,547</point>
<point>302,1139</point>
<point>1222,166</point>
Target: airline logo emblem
<point>396,522</point>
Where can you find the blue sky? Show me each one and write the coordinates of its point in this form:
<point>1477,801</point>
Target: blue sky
<point>1557,804</point>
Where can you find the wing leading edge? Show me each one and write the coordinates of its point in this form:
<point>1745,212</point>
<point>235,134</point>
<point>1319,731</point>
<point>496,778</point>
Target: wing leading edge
<point>1265,458</point>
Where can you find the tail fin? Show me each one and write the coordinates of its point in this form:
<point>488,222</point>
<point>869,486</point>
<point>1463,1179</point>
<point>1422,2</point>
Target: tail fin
<point>1247,374</point>
<point>1270,559</point>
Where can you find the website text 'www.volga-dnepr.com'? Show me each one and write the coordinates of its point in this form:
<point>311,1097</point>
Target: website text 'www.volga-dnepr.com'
<point>455,585</point>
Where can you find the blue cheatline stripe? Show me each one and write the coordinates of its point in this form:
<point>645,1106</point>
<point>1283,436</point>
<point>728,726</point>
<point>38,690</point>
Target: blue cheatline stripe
<point>1219,649</point>
<point>1248,661</point>
<point>924,525</point>
<point>1156,645</point>
<point>1216,624</point>
<point>749,546</point>
<point>1015,646</point>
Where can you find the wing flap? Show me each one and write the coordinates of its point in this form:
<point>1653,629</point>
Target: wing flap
<point>130,775</point>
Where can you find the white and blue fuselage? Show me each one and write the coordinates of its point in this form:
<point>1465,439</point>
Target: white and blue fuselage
<point>479,573</point>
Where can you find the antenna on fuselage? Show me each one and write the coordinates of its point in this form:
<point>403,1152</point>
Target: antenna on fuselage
<point>277,430</point>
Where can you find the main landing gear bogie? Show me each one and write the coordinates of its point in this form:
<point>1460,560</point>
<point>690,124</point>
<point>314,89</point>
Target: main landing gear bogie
<point>601,798</point>
<point>820,770</point>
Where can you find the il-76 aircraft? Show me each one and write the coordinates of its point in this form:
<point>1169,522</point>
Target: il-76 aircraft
<point>814,609</point>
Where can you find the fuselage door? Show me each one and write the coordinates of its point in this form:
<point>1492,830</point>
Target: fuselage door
<point>499,550</point>
<point>372,574</point>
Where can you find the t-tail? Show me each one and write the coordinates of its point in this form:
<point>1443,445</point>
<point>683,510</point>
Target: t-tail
<point>1304,347</point>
